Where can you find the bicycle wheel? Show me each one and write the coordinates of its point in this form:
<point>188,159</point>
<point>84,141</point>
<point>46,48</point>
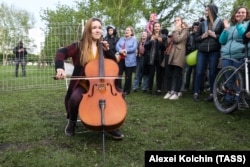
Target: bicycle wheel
<point>223,86</point>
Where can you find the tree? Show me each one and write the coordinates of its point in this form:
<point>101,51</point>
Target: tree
<point>123,13</point>
<point>165,10</point>
<point>60,25</point>
<point>195,9</point>
<point>120,13</point>
<point>14,26</point>
<point>242,3</point>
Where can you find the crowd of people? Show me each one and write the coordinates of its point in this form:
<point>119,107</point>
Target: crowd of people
<point>158,58</point>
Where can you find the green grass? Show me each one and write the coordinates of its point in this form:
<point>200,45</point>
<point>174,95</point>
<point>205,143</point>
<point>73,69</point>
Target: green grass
<point>37,77</point>
<point>32,130</point>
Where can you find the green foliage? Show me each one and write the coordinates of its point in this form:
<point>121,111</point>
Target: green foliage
<point>62,14</point>
<point>59,34</point>
<point>242,3</point>
<point>165,10</point>
<point>15,23</point>
<point>121,13</point>
<point>195,9</point>
<point>62,28</point>
<point>14,26</point>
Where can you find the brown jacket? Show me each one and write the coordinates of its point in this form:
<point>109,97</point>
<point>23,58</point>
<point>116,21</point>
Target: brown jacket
<point>178,50</point>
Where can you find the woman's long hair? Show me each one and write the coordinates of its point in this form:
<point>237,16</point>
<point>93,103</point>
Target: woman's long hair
<point>153,31</point>
<point>210,18</point>
<point>85,43</point>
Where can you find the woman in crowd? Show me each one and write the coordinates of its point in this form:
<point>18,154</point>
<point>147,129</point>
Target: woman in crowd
<point>151,21</point>
<point>231,38</point>
<point>126,47</point>
<point>154,52</point>
<point>176,59</point>
<point>190,47</point>
<point>208,36</point>
<point>140,79</point>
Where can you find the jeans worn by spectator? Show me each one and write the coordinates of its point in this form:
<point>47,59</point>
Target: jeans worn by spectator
<point>204,58</point>
<point>21,61</point>
<point>139,77</point>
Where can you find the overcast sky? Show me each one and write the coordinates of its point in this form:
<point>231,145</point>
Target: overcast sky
<point>35,6</point>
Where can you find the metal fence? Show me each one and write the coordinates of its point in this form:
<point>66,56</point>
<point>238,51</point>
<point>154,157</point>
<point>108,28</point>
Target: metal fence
<point>40,66</point>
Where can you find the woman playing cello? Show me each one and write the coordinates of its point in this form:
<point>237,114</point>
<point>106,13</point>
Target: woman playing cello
<point>82,52</point>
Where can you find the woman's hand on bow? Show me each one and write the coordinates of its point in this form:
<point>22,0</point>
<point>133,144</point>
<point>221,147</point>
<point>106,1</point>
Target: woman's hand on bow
<point>60,73</point>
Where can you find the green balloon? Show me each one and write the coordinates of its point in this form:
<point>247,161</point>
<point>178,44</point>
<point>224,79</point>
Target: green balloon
<point>191,58</point>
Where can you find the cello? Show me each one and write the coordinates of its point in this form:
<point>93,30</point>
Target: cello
<point>103,107</point>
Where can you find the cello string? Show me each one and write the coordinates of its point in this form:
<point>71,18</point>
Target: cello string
<point>102,102</point>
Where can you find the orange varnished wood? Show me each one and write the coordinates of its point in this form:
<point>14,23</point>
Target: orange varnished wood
<point>115,110</point>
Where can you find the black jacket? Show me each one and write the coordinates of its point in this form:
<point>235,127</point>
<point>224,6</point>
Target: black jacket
<point>210,44</point>
<point>191,44</point>
<point>21,54</point>
<point>245,39</point>
<point>112,40</point>
<point>154,50</point>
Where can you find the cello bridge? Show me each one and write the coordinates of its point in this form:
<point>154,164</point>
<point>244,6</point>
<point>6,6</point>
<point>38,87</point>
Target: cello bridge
<point>101,87</point>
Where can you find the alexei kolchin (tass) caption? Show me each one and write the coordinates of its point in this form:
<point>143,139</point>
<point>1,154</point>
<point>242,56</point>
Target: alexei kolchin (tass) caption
<point>195,157</point>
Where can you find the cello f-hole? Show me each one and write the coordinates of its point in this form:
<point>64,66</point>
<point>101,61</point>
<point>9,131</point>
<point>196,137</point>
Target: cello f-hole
<point>111,89</point>
<point>92,91</point>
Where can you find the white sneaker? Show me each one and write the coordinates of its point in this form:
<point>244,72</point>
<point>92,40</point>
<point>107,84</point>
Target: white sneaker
<point>179,94</point>
<point>167,96</point>
<point>174,97</point>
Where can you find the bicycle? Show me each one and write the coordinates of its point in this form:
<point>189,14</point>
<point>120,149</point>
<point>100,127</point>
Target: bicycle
<point>231,90</point>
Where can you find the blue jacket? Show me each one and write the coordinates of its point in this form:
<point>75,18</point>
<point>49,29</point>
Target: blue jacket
<point>131,47</point>
<point>232,39</point>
